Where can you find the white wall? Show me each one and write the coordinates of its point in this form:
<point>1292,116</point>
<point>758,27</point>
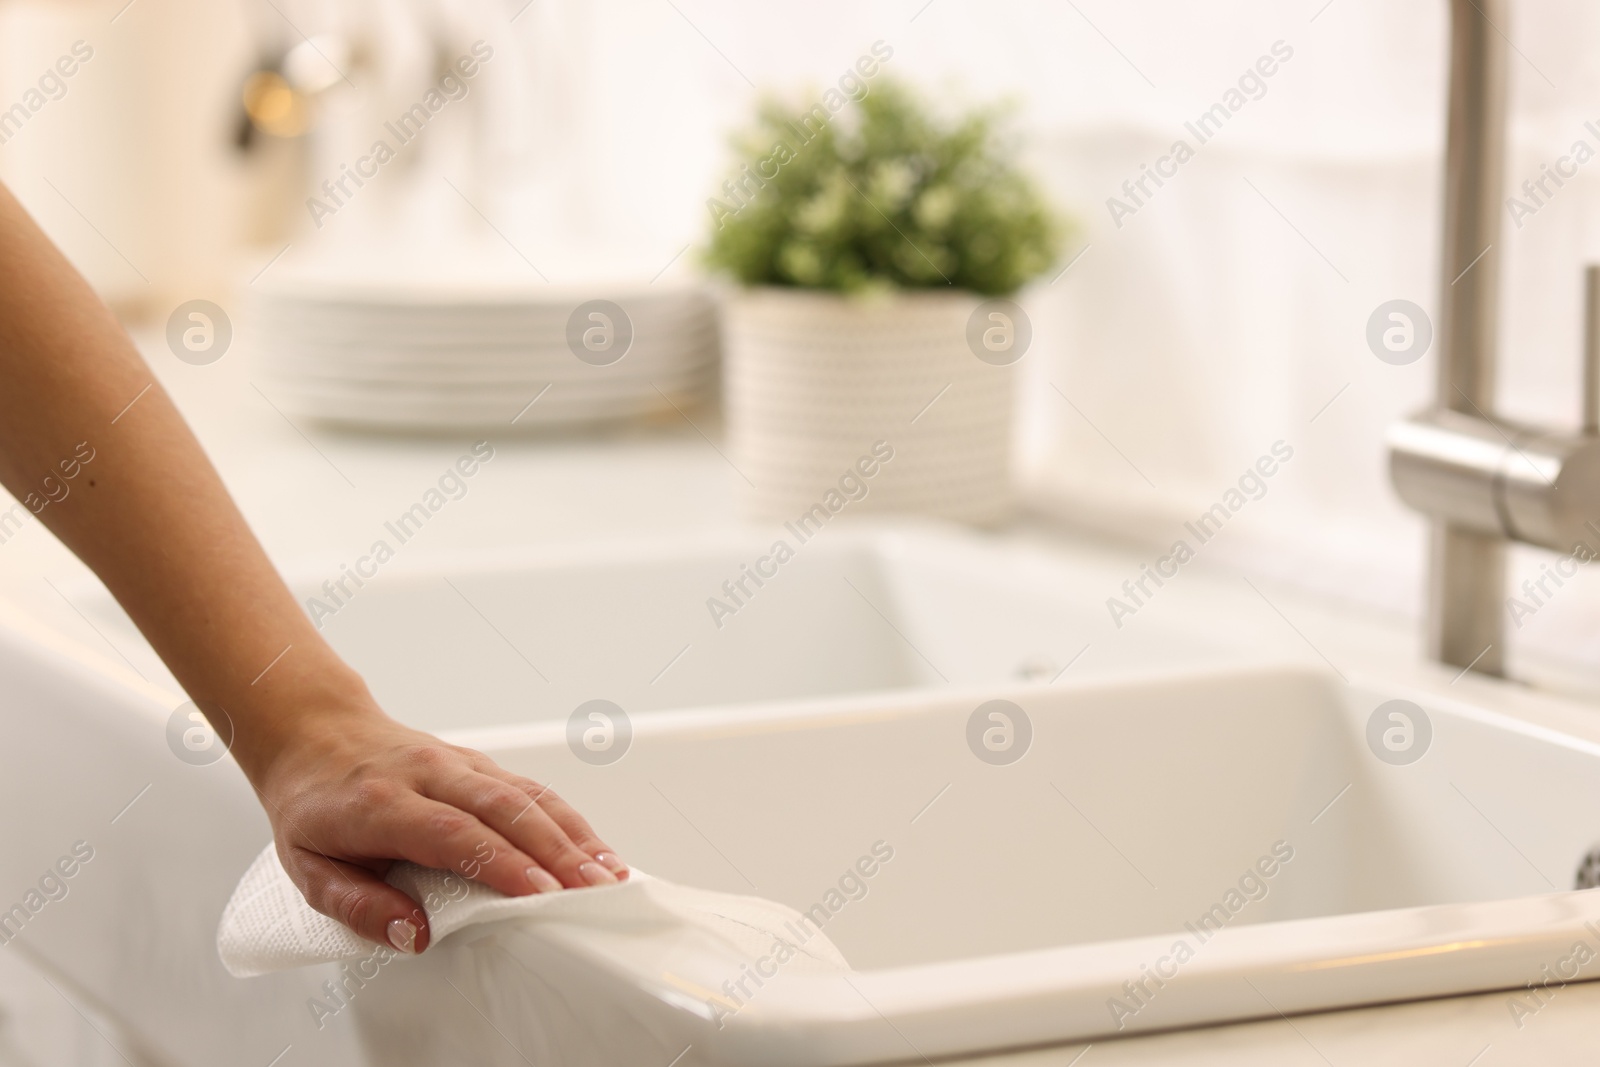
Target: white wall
<point>136,148</point>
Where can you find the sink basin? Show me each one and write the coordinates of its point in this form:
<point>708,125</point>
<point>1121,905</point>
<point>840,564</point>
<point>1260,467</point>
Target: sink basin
<point>1167,852</point>
<point>453,642</point>
<point>1027,901</point>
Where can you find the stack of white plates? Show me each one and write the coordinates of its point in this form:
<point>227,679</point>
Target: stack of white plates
<point>482,353</point>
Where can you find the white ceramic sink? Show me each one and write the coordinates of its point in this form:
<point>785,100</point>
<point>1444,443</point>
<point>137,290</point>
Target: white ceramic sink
<point>1242,815</point>
<point>830,714</point>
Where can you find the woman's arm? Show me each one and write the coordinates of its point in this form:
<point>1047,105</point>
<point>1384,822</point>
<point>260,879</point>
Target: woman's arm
<point>347,788</point>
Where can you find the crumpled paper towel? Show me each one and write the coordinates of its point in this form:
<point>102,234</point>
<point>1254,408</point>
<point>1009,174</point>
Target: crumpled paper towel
<point>268,926</point>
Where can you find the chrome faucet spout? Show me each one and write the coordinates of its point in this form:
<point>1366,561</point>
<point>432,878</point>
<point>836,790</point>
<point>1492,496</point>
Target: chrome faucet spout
<point>1474,177</point>
<point>1466,577</point>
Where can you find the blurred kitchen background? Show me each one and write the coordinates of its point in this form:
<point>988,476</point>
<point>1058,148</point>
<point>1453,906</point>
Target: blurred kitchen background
<point>1168,352</point>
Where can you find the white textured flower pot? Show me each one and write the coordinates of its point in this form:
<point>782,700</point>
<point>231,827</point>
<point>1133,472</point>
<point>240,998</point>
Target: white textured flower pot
<point>815,380</point>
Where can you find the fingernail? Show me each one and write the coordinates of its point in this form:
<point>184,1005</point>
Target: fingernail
<point>543,881</point>
<point>611,863</point>
<point>403,936</point>
<point>595,874</point>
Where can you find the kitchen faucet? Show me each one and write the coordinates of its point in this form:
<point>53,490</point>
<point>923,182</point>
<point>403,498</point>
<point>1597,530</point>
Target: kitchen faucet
<point>1483,480</point>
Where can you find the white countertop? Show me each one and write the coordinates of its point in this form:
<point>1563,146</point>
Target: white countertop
<point>315,496</point>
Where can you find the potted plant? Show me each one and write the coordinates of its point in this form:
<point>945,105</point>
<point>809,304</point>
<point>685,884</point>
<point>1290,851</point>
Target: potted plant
<point>873,246</point>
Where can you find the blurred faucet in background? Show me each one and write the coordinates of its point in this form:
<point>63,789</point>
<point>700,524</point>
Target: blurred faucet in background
<point>1485,481</point>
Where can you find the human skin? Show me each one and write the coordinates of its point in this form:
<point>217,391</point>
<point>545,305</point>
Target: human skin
<point>347,789</point>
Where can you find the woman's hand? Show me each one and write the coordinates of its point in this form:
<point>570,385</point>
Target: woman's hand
<point>350,790</point>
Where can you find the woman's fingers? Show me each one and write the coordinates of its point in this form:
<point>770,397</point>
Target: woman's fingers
<point>575,826</point>
<point>360,899</point>
<point>449,837</point>
<point>450,810</point>
<point>525,823</point>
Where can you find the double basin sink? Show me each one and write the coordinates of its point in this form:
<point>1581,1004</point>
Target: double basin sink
<point>1093,831</point>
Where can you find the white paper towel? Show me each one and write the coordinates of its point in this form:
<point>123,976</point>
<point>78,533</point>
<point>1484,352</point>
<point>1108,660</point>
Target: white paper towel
<point>268,926</point>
